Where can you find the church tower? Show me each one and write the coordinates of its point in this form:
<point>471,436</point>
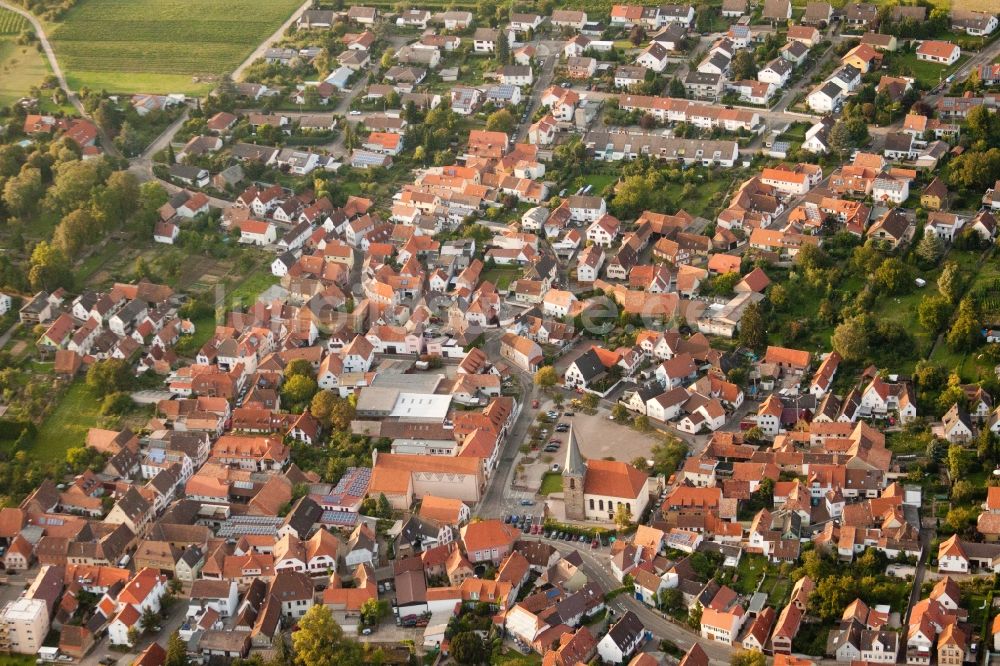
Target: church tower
<point>574,475</point>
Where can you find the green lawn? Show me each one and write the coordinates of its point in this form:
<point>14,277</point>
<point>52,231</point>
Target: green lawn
<point>515,658</point>
<point>927,73</point>
<point>748,573</point>
<point>502,276</point>
<point>161,46</point>
<point>598,181</point>
<point>17,660</point>
<point>551,483</point>
<point>67,425</point>
<point>253,286</point>
<point>21,68</point>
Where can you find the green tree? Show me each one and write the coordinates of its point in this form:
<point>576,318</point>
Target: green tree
<point>667,455</point>
<point>694,616</point>
<point>74,182</point>
<point>981,124</point>
<point>988,447</point>
<point>150,620</point>
<point>893,276</point>
<point>299,367</point>
<point>964,334</point>
<point>322,406</point>
<point>847,134</point>
<point>974,170</point>
<point>623,516</point>
<point>342,414</point>
<point>959,462</point>
<point>176,651</point>
<point>467,648</point>
<point>933,312</point>
<point>748,658</point>
<point>372,611</point>
<point>779,297</point>
<point>299,389</point>
<point>723,285</point>
<point>753,330</point>
<point>619,412</point>
<point>851,338</point>
<point>383,507</point>
<point>930,249</point>
<point>282,651</point>
<point>676,88</point>
<point>74,232</point>
<point>671,600</point>
<point>962,491</point>
<point>321,642</point>
<point>831,595</point>
<point>961,518</point>
<point>109,376</point>
<point>546,377</point>
<point>949,282</point>
<point>22,193</point>
<point>501,120</point>
<point>743,66</point>
<point>503,47</point>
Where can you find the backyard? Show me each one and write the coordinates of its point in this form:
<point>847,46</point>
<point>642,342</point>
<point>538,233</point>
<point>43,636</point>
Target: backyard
<point>501,276</point>
<point>161,46</point>
<point>928,74</point>
<point>66,426</point>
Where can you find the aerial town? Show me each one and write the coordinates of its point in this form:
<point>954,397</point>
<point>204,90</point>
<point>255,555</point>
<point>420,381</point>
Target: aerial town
<point>524,333</point>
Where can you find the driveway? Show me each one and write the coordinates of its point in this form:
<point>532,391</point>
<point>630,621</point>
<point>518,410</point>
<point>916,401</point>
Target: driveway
<point>151,397</point>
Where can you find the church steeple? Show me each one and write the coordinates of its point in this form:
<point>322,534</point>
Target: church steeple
<point>574,477</point>
<point>574,465</point>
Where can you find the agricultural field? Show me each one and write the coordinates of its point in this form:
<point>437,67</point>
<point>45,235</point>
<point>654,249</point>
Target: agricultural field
<point>11,23</point>
<point>21,67</point>
<point>161,46</point>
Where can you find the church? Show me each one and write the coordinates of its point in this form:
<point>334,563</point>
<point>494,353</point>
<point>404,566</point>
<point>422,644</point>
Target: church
<point>593,489</point>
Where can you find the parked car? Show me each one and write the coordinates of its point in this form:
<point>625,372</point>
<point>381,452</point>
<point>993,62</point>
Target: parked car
<point>595,543</point>
<point>527,502</point>
<point>556,467</point>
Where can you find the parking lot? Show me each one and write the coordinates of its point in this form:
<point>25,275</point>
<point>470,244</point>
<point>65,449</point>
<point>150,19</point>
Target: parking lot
<point>597,437</point>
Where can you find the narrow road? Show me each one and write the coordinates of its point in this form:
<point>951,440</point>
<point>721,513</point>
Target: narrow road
<point>491,504</point>
<point>5,338</point>
<point>600,571</point>
<point>535,101</point>
<point>142,165</point>
<point>50,54</point>
<point>266,44</point>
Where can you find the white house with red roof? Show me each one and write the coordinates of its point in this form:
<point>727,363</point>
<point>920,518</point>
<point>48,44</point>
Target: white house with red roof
<point>604,231</point>
<point>140,594</point>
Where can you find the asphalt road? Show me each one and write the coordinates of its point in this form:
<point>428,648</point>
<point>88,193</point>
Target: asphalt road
<point>492,502</point>
<point>654,621</point>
